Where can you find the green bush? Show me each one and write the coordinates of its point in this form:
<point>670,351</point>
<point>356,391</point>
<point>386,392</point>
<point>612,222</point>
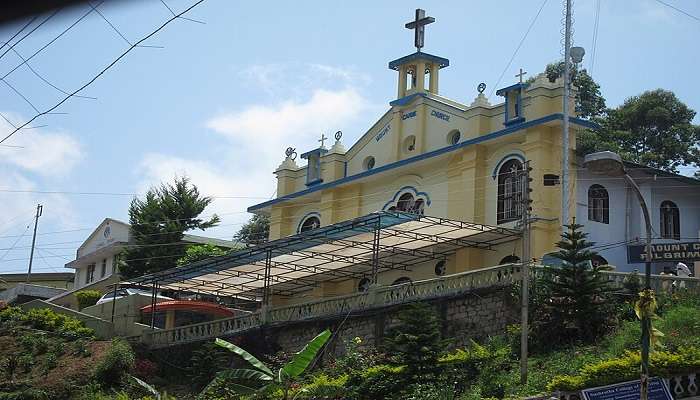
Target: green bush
<point>87,298</point>
<point>378,382</point>
<point>678,324</point>
<point>324,387</point>
<point>116,364</point>
<point>47,320</point>
<point>626,368</point>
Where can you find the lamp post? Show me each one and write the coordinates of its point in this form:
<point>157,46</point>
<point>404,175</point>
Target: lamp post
<point>609,163</point>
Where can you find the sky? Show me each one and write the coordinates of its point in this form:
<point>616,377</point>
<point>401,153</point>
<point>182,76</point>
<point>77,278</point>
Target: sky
<point>219,100</point>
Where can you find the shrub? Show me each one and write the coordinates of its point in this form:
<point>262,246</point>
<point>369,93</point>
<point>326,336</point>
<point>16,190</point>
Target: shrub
<point>87,298</point>
<point>48,320</point>
<point>145,369</point>
<point>12,314</point>
<point>626,368</point>
<point>116,364</point>
<point>378,382</point>
<point>324,387</point>
<point>678,323</point>
<point>206,361</point>
<point>431,391</point>
<point>26,362</point>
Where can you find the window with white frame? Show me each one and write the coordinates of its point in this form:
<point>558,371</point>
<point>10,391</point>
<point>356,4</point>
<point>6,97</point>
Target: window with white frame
<point>598,204</point>
<point>670,220</point>
<point>510,191</point>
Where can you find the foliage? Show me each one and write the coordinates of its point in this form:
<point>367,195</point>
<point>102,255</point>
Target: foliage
<point>46,320</point>
<point>626,368</point>
<point>416,341</point>
<point>378,382</point>
<point>572,304</point>
<point>356,357</point>
<point>205,362</point>
<point>431,391</point>
<point>145,369</point>
<point>323,386</point>
<point>480,365</point>
<point>654,129</point>
<point>117,363</point>
<point>261,378</point>
<point>200,252</point>
<point>158,223</point>
<point>589,100</point>
<point>87,298</point>
<point>255,231</point>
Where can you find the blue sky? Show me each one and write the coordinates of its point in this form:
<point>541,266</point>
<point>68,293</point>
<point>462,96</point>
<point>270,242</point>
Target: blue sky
<point>221,101</point>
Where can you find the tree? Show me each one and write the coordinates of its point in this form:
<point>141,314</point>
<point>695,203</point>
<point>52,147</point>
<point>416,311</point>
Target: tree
<point>244,381</point>
<point>573,302</point>
<point>158,223</point>
<point>200,252</point>
<point>589,101</point>
<point>255,231</point>
<point>416,341</point>
<point>653,129</point>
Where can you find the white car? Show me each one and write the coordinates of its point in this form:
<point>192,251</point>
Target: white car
<point>124,292</point>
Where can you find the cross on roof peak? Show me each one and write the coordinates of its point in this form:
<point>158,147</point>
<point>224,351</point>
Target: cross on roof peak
<point>520,75</point>
<point>322,139</point>
<point>418,25</point>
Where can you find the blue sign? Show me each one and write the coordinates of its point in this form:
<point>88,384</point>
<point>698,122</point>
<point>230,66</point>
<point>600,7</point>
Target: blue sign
<point>383,132</point>
<point>628,391</point>
<point>440,115</point>
<point>408,115</point>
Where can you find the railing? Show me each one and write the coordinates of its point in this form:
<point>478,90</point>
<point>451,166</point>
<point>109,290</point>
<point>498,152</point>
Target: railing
<point>501,275</point>
<point>681,386</point>
<point>378,297</point>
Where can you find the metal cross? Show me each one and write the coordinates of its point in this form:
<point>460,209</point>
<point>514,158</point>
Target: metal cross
<point>419,25</point>
<point>322,139</point>
<point>520,75</point>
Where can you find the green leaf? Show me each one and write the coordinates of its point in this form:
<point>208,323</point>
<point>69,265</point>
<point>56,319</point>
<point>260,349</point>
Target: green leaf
<point>146,386</point>
<point>302,359</point>
<point>245,355</point>
<point>246,374</point>
<point>236,387</point>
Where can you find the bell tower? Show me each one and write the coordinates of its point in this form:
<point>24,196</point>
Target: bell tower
<point>418,72</point>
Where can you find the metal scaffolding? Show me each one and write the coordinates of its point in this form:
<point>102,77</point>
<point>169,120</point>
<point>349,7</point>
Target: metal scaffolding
<point>354,249</point>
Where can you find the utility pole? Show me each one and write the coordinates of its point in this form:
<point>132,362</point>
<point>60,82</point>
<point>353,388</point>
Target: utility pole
<point>525,270</point>
<point>565,135</point>
<point>39,210</point>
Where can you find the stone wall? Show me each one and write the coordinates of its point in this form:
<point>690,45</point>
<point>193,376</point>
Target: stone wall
<point>473,315</point>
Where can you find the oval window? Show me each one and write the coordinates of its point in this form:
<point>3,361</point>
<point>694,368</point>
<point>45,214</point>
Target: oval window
<point>368,163</point>
<point>453,137</point>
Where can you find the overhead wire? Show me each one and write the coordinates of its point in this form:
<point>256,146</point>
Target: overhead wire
<point>679,10</point>
<point>14,244</point>
<point>594,45</point>
<point>30,32</point>
<point>517,49</point>
<point>110,65</point>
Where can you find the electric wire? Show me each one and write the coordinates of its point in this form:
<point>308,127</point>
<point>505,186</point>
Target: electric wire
<point>14,244</point>
<point>18,32</point>
<point>110,65</point>
<point>594,45</point>
<point>517,49</point>
<point>32,31</point>
<point>679,10</point>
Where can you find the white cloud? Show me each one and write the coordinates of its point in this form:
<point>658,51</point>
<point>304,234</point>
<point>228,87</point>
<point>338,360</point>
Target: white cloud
<point>39,150</point>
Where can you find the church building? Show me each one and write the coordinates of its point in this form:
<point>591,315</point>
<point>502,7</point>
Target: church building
<point>436,156</point>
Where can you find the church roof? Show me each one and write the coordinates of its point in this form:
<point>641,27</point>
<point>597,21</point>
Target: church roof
<point>419,55</point>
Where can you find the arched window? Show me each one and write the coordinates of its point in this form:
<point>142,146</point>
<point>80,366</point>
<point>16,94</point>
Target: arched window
<point>409,204</point>
<point>598,260</point>
<point>511,259</point>
<point>364,285</point>
<point>401,281</point>
<point>670,220</point>
<point>598,204</point>
<point>311,222</point>
<point>510,191</point>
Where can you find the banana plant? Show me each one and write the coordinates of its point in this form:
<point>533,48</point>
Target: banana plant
<point>259,377</point>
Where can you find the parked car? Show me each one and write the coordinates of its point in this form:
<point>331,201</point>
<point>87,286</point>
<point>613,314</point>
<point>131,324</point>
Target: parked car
<point>125,292</point>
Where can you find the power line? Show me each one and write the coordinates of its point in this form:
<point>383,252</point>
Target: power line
<point>679,10</point>
<point>185,18</point>
<point>110,65</point>
<point>30,32</point>
<point>517,49</point>
<point>20,31</point>
<point>15,243</point>
<point>595,36</point>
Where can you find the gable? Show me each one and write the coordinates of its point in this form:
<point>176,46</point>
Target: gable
<point>108,232</point>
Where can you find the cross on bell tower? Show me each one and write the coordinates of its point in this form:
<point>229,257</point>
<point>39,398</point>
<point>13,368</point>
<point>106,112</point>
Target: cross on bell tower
<point>418,25</point>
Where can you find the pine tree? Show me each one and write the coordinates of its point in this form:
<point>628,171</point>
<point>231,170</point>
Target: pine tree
<point>574,295</point>
<point>255,231</point>
<point>158,223</point>
<point>416,341</point>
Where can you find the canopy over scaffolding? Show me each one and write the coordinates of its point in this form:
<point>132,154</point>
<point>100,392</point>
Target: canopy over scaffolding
<point>359,248</point>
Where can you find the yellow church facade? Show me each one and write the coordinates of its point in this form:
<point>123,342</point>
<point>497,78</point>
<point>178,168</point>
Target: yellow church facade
<point>436,156</point>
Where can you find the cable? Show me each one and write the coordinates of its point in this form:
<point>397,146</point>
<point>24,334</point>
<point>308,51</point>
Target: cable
<point>20,31</point>
<point>679,10</point>
<point>517,49</point>
<point>595,36</point>
<point>110,65</point>
<point>185,18</point>
<point>32,31</point>
<point>15,243</point>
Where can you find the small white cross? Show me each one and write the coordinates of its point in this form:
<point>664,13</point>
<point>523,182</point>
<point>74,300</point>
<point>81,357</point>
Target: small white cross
<point>520,75</point>
<point>322,139</point>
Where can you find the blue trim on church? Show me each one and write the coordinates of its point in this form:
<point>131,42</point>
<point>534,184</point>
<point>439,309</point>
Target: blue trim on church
<point>407,189</point>
<point>424,156</point>
<point>407,99</point>
<point>443,62</point>
<point>503,91</point>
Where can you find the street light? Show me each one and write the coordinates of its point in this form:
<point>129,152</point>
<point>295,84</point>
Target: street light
<point>610,164</point>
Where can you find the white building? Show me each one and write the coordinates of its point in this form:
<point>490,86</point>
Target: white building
<point>611,214</point>
<point>96,259</point>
